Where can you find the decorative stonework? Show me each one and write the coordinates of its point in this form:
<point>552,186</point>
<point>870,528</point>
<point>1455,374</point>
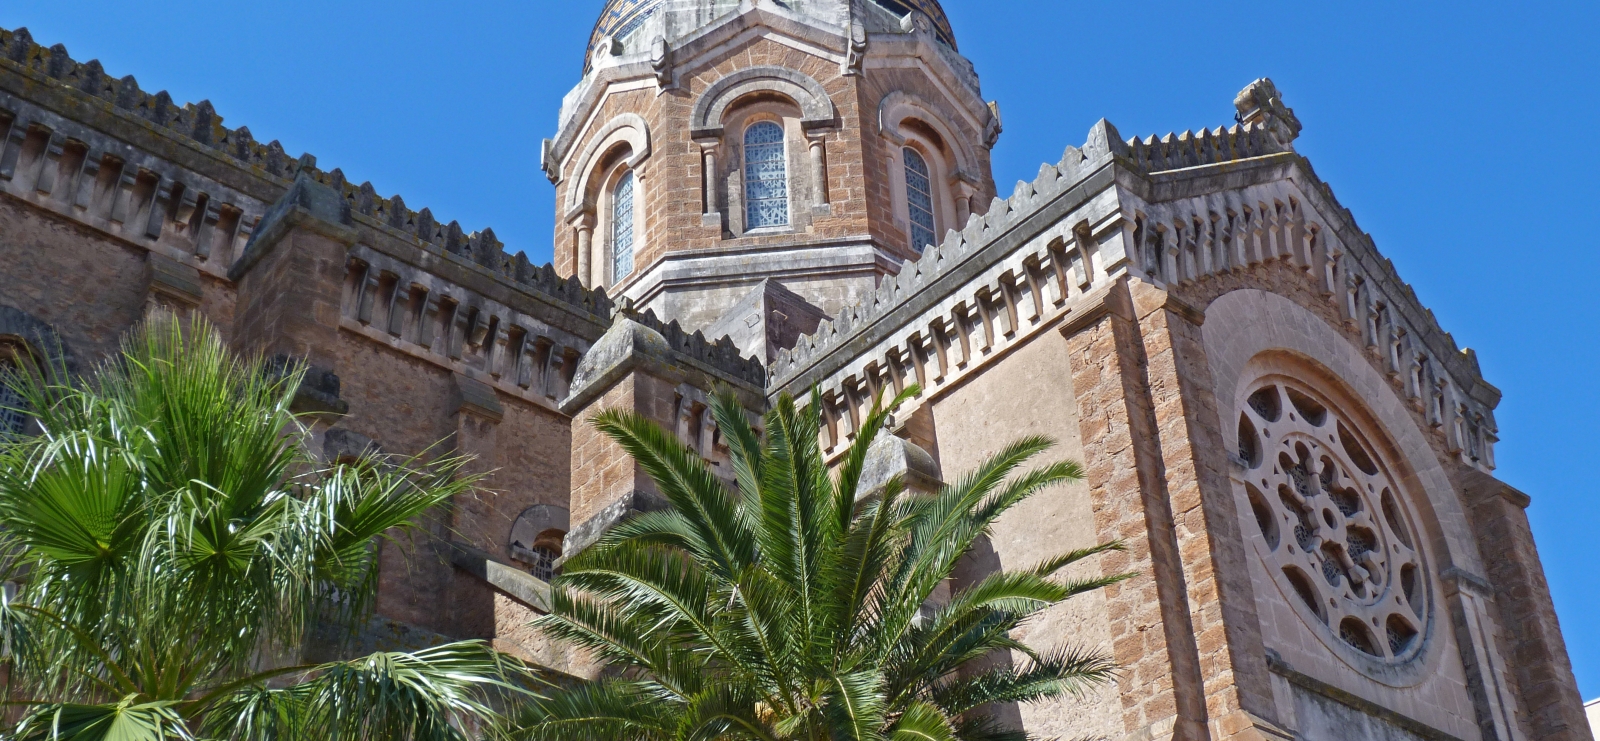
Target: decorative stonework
<point>1332,522</point>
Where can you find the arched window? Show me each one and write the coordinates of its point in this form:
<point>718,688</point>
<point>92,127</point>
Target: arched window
<point>13,418</point>
<point>766,177</point>
<point>541,557</point>
<point>919,200</point>
<point>622,228</point>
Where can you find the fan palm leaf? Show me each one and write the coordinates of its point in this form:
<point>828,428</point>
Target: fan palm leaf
<point>174,541</point>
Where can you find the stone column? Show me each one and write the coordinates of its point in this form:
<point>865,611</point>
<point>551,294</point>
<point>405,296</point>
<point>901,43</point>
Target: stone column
<point>819,175</point>
<point>585,237</point>
<point>711,215</point>
<point>963,199</point>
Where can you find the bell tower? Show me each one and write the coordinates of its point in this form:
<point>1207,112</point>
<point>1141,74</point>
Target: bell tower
<point>751,167</point>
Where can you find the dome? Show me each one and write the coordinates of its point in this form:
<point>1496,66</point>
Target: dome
<point>622,17</point>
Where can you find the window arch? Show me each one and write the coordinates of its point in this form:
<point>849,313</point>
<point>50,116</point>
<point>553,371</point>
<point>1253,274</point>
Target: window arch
<point>541,557</point>
<point>538,539</point>
<point>622,236</point>
<point>766,176</point>
<point>13,407</point>
<point>919,200</point>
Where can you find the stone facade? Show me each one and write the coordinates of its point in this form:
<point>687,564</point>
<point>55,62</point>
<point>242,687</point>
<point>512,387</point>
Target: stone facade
<point>1297,457</point>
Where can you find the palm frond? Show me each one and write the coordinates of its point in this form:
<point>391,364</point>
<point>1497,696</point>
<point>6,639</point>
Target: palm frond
<point>598,711</point>
<point>922,721</point>
<point>856,705</point>
<point>437,694</point>
<point>125,720</point>
<point>1065,671</point>
<point>686,482</point>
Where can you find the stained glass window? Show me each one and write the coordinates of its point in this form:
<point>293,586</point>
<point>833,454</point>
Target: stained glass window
<point>12,418</point>
<point>919,200</point>
<point>622,229</point>
<point>766,177</point>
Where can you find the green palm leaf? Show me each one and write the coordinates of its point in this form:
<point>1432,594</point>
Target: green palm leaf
<point>170,523</point>
<point>792,609</point>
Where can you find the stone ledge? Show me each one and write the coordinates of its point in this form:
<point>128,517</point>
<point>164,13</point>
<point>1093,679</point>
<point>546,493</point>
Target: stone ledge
<point>1278,666</point>
<point>476,397</point>
<point>587,533</point>
<point>509,580</point>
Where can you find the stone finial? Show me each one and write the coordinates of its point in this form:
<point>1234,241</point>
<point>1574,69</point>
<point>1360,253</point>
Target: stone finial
<point>1261,104</point>
<point>21,43</point>
<point>60,62</point>
<point>92,79</point>
<point>206,123</point>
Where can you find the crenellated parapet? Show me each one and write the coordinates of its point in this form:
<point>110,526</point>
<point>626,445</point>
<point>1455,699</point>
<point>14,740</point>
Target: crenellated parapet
<point>173,179</point>
<point>1174,211</point>
<point>1011,272</point>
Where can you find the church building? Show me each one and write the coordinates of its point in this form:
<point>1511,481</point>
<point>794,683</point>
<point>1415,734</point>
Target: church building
<point>776,196</point>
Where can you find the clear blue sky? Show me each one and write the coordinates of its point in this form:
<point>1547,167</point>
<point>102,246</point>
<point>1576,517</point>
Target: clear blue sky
<point>1462,135</point>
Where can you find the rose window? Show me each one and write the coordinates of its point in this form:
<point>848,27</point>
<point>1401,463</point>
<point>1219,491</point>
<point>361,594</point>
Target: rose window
<point>1333,523</point>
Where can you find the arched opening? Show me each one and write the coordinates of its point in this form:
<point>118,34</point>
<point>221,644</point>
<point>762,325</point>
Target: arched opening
<point>537,539</point>
<point>930,195</point>
<point>766,176</point>
<point>621,146</point>
<point>919,200</point>
<point>15,360</point>
<point>542,555</point>
<point>622,227</point>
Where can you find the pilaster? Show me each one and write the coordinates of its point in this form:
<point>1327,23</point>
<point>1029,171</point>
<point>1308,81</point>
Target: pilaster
<point>1519,596</point>
<point>1219,594</point>
<point>1152,637</point>
<point>291,279</point>
<point>632,368</point>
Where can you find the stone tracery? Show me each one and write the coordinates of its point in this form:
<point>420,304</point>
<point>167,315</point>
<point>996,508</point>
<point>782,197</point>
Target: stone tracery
<point>1332,522</point>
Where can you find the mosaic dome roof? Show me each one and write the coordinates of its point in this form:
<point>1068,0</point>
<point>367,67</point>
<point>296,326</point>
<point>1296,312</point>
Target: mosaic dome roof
<point>622,17</point>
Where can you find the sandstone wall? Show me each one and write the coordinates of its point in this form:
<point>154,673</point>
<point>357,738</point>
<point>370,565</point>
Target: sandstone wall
<point>1031,392</point>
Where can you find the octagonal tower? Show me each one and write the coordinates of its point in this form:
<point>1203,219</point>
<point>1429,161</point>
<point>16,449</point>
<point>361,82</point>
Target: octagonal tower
<point>807,148</point>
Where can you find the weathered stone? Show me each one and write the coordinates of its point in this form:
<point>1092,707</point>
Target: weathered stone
<point>1125,302</point>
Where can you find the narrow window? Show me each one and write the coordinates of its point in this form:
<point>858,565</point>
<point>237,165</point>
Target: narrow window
<point>919,200</point>
<point>622,228</point>
<point>766,178</point>
<point>13,418</point>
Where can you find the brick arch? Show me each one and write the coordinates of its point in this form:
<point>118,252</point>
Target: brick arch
<point>898,106</point>
<point>627,129</point>
<point>816,108</point>
<point>40,338</point>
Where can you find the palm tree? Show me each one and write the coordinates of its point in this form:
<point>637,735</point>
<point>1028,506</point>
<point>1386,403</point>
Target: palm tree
<point>792,607</point>
<point>168,542</point>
